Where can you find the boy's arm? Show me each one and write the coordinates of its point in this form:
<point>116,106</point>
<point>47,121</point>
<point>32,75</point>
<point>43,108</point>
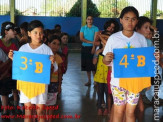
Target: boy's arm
<point>103,38</point>
<point>93,49</point>
<point>108,58</point>
<point>59,77</point>
<point>10,54</point>
<point>95,58</point>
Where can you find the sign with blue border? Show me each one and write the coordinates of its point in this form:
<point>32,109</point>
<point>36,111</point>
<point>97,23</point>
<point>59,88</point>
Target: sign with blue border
<point>134,62</point>
<point>31,67</point>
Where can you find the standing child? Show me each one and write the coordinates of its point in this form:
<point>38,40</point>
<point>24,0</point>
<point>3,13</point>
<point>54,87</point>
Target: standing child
<point>111,26</point>
<point>125,91</point>
<point>7,32</point>
<point>64,51</point>
<point>101,79</point>
<point>34,93</point>
<point>143,27</point>
<point>87,36</point>
<point>24,32</point>
<point>56,77</point>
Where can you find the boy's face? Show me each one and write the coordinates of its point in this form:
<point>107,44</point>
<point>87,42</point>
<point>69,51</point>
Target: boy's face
<point>64,39</point>
<point>111,28</point>
<point>36,35</point>
<point>54,45</point>
<point>145,29</point>
<point>129,21</point>
<point>150,35</point>
<point>22,31</point>
<point>58,28</point>
<point>10,33</point>
<point>89,20</point>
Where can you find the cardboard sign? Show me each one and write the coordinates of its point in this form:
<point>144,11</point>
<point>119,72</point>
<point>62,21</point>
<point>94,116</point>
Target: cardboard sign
<point>134,62</point>
<point>31,67</point>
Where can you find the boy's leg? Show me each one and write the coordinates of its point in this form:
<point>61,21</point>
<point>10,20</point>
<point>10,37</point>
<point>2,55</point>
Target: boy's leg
<point>89,78</point>
<point>110,103</point>
<point>95,83</point>
<point>100,90</point>
<point>16,101</point>
<point>132,101</point>
<point>41,113</point>
<point>28,112</point>
<point>118,114</point>
<point>111,114</point>
<point>140,110</point>
<point>119,98</point>
<point>106,94</point>
<point>130,116</point>
<point>51,112</point>
<point>4,99</point>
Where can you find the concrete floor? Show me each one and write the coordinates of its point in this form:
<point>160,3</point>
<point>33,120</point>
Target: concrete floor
<point>79,101</point>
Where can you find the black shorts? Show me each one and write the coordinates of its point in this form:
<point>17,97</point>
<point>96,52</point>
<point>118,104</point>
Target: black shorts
<point>87,59</point>
<point>6,86</point>
<point>53,87</point>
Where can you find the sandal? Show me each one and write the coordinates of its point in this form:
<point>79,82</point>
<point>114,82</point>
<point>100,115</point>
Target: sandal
<point>88,84</point>
<point>105,112</point>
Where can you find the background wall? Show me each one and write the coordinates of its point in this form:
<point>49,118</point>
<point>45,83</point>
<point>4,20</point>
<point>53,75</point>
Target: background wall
<point>71,25</point>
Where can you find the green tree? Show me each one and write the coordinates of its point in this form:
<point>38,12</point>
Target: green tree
<point>159,14</point>
<point>91,9</point>
<point>4,9</point>
<point>17,12</point>
<point>111,8</point>
<point>147,14</point>
<point>56,7</point>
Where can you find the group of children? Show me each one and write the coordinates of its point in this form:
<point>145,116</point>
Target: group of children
<point>125,92</point>
<point>32,38</point>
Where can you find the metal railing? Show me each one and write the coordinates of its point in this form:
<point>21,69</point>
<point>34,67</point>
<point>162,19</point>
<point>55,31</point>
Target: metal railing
<point>107,8</point>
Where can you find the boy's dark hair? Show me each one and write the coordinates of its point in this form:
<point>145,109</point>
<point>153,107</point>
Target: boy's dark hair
<point>57,25</point>
<point>62,34</point>
<point>24,26</point>
<point>143,20</point>
<point>129,9</point>
<point>35,24</point>
<point>6,26</point>
<point>55,31</point>
<point>17,29</point>
<point>32,25</point>
<point>109,22</point>
<point>89,16</point>
<point>46,32</point>
<point>54,37</point>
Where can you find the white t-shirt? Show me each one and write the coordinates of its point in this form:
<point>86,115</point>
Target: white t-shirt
<point>3,56</point>
<point>118,40</point>
<point>42,49</point>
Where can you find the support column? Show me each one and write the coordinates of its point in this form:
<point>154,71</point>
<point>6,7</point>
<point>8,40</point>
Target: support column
<point>12,11</point>
<point>153,11</point>
<point>83,12</point>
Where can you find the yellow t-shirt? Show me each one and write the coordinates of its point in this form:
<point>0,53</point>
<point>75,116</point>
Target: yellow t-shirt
<point>54,75</point>
<point>101,72</point>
